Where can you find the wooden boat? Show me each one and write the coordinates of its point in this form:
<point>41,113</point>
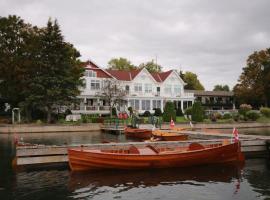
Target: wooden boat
<point>138,133</point>
<point>149,157</point>
<point>169,136</point>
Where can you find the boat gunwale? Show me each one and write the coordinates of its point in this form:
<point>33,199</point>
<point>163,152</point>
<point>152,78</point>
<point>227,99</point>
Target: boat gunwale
<point>157,154</point>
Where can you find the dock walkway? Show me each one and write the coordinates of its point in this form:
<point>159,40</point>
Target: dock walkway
<point>253,146</point>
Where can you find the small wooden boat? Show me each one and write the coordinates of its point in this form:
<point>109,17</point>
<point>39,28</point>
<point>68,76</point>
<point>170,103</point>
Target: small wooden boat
<point>169,136</point>
<point>138,133</point>
<point>149,157</point>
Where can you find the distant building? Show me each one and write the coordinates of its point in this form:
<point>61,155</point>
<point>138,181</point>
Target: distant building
<point>145,91</point>
<point>215,100</point>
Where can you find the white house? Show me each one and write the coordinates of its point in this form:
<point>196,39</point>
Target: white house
<point>145,91</point>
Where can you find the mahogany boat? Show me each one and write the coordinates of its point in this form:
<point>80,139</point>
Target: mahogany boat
<point>138,133</point>
<point>150,157</point>
<point>169,136</point>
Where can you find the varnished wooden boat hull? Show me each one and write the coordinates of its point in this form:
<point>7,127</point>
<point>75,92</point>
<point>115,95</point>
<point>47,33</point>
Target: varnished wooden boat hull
<point>172,137</point>
<point>80,160</point>
<point>138,133</point>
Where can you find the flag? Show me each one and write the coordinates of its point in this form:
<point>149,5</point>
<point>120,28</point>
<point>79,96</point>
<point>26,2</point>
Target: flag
<point>172,124</point>
<point>235,135</point>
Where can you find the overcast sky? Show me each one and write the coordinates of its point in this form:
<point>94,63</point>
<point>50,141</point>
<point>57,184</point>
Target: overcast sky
<point>209,37</point>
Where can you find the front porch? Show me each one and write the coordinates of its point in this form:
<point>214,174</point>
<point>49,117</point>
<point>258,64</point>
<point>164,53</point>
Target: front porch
<point>91,106</point>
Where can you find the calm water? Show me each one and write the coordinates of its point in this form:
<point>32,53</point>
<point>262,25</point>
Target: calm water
<point>251,181</point>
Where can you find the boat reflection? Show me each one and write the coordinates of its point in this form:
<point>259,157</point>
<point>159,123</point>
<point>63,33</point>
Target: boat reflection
<point>146,178</point>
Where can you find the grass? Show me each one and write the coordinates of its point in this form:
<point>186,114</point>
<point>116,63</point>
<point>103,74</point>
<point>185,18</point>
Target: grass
<point>181,119</point>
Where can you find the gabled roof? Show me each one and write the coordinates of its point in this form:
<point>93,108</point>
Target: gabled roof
<point>130,75</point>
<point>101,73</point>
<point>161,76</point>
<point>124,75</point>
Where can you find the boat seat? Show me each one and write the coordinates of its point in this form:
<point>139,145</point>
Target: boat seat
<point>195,146</point>
<point>153,148</point>
<point>133,150</point>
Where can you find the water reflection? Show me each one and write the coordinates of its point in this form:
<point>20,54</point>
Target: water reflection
<point>88,184</point>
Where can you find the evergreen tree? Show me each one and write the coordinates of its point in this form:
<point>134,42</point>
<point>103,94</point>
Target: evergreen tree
<point>197,112</point>
<point>57,77</point>
<point>169,112</point>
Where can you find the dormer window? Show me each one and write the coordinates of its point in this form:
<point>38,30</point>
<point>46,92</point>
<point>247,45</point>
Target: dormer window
<point>90,73</point>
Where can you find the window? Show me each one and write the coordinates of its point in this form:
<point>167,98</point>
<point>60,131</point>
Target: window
<point>145,104</point>
<point>90,73</point>
<point>148,88</point>
<point>135,104</point>
<point>168,89</point>
<point>95,84</point>
<point>177,89</point>
<point>156,103</point>
<point>138,87</point>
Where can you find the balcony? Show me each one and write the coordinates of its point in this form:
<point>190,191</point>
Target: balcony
<point>91,110</point>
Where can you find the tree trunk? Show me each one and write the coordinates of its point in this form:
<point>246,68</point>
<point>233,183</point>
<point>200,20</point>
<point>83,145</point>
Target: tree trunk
<point>110,111</point>
<point>49,115</point>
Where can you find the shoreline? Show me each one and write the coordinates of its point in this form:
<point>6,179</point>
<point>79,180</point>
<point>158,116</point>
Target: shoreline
<point>90,127</point>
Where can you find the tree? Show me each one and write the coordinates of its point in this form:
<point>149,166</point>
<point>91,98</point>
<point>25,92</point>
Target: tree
<point>38,69</point>
<point>120,64</point>
<point>169,112</point>
<point>15,58</point>
<point>192,81</point>
<point>56,79</point>
<point>197,112</point>
<point>254,83</point>
<point>221,88</point>
<point>112,93</point>
<point>151,66</point>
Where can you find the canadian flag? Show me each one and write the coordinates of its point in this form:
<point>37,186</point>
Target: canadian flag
<point>172,124</point>
<point>235,135</point>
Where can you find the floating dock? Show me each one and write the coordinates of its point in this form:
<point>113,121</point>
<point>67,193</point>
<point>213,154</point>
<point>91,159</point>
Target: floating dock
<point>253,146</point>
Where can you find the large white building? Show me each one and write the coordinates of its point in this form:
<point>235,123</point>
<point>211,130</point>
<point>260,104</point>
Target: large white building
<point>145,91</point>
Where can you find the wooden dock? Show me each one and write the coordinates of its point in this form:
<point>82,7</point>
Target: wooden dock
<point>41,155</point>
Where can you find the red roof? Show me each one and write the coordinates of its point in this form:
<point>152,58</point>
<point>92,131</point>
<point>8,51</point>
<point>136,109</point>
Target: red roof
<point>161,76</point>
<point>100,72</point>
<point>124,75</point>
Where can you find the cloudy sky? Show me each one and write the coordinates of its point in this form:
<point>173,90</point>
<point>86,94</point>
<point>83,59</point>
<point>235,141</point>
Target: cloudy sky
<point>209,37</point>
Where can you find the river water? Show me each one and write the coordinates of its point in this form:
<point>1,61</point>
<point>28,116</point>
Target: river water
<point>251,181</point>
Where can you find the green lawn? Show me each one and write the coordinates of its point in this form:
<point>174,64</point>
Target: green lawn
<point>181,119</point>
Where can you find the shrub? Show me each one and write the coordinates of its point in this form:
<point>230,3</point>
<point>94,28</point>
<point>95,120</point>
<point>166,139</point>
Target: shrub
<point>236,117</point>
<point>84,118</point>
<point>157,112</point>
<point>146,113</point>
<point>227,116</point>
<point>244,108</point>
<point>252,115</point>
<point>179,112</point>
<point>215,116</point>
<point>114,113</point>
<point>265,111</point>
<point>188,111</point>
<point>169,112</point>
<point>197,112</point>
